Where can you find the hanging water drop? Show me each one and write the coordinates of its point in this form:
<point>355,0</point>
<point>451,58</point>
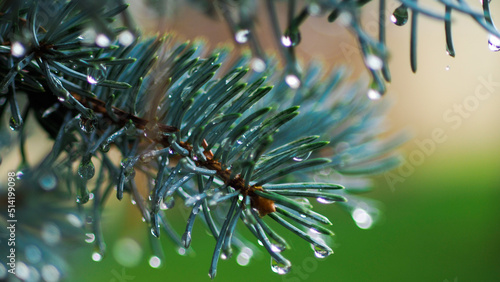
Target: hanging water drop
<point>96,74</point>
<point>86,170</point>
<point>90,238</point>
<point>82,199</point>
<point>155,262</point>
<point>400,15</point>
<point>374,94</point>
<point>87,125</point>
<point>292,37</point>
<point>104,147</point>
<point>96,256</point>
<point>17,49</point>
<point>286,41</point>
<point>494,43</point>
<point>241,36</point>
<point>321,252</point>
<point>167,203</point>
<point>278,248</point>
<point>280,268</point>
<point>14,124</point>
<point>293,81</point>
<point>20,174</point>
<point>181,251</point>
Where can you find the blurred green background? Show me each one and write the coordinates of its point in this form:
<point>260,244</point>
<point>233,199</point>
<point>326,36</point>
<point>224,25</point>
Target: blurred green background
<point>442,223</point>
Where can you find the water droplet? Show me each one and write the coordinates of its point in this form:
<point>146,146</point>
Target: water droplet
<point>167,203</point>
<point>22,270</point>
<point>447,68</point>
<point>186,239</point>
<point>374,94</point>
<point>181,251</point>
<point>17,49</point>
<point>286,41</point>
<point>154,230</point>
<point>90,237</point>
<point>280,268</point>
<point>314,9</point>
<point>50,233</point>
<point>302,157</point>
<point>293,36</point>
<point>74,220</point>
<point>362,218</point>
<point>493,43</point>
<point>50,273</point>
<point>374,62</point>
<point>324,201</point>
<point>126,38</point>
<point>258,64</point>
<point>155,262</point>
<point>82,199</point>
<point>345,18</point>
<point>20,174</point>
<point>241,36</point>
<point>293,81</point>
<point>105,147</point>
<point>278,248</point>
<point>89,219</point>
<point>33,254</point>
<point>102,40</point>
<point>3,271</point>
<point>304,201</point>
<point>96,256</point>
<point>96,74</point>
<point>87,125</point>
<point>400,15</point>
<point>127,252</point>
<point>244,256</point>
<point>15,125</point>
<point>48,181</point>
<point>86,170</point>
<point>321,252</point>
<point>91,196</point>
